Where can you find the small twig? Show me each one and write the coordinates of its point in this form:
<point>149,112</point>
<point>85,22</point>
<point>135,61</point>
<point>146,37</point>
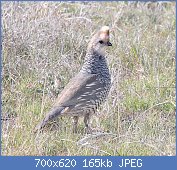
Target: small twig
<point>96,148</point>
<point>43,96</point>
<point>84,141</point>
<point>157,149</point>
<point>158,105</point>
<point>73,18</point>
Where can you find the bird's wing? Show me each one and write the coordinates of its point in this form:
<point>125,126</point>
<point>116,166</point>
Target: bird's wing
<point>82,88</point>
<point>81,91</point>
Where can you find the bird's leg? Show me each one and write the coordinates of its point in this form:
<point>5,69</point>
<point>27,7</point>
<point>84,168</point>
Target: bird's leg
<point>87,121</point>
<point>75,121</point>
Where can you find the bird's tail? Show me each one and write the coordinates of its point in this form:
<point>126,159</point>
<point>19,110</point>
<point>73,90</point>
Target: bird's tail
<point>56,111</point>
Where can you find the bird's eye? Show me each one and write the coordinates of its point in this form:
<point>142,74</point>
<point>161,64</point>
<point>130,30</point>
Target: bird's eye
<point>101,42</point>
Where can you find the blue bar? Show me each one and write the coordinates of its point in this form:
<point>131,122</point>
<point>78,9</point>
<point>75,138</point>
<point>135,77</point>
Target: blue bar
<point>87,162</point>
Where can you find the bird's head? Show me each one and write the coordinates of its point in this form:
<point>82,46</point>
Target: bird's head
<point>100,40</point>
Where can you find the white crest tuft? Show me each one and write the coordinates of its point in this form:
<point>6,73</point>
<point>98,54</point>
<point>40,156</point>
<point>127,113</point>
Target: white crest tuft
<point>104,29</point>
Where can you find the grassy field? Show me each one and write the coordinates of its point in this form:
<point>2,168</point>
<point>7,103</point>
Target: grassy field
<point>44,44</point>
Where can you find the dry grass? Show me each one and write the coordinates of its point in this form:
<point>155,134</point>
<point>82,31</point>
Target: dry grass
<point>44,46</point>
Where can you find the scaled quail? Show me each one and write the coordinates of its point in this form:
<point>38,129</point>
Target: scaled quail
<point>89,88</point>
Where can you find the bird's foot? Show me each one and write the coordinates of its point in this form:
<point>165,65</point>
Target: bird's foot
<point>97,129</point>
<point>88,130</point>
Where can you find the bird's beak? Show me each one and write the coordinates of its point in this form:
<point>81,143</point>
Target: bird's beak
<point>109,44</point>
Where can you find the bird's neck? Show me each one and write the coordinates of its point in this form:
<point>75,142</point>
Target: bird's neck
<point>94,62</point>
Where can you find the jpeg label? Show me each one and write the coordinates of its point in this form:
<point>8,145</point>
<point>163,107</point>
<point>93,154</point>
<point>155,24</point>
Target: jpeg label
<point>133,163</point>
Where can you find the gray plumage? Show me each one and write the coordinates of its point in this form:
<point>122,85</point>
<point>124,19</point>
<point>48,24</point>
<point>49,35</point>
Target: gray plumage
<point>89,88</point>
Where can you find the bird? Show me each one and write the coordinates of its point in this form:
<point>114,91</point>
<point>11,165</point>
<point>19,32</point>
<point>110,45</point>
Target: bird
<point>85,92</point>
